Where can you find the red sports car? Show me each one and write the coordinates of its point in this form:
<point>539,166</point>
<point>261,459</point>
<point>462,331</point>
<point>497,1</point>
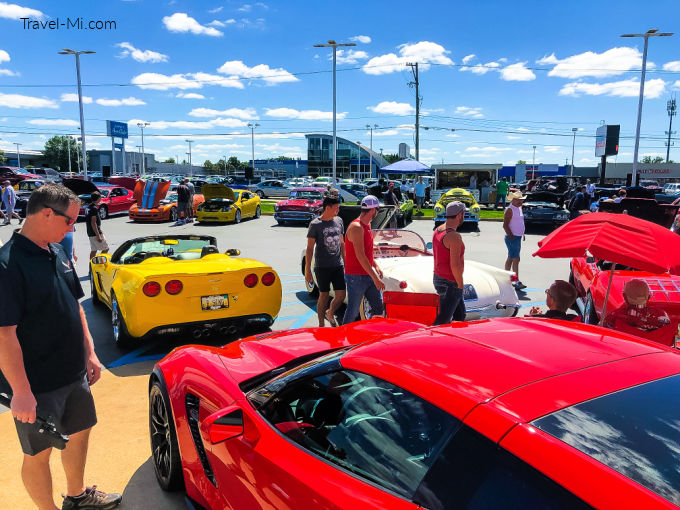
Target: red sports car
<point>303,205</point>
<point>115,199</point>
<point>386,414</point>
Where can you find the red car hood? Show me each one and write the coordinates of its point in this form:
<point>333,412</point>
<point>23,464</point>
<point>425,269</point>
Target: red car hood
<point>255,355</point>
<point>299,202</point>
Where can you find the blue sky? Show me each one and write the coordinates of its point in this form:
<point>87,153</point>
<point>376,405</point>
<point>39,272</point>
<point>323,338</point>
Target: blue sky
<point>504,75</point>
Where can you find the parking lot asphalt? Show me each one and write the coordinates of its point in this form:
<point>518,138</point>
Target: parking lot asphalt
<point>120,455</point>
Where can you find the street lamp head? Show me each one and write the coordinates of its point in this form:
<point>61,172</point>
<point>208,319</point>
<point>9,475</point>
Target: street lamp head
<point>87,52</point>
<point>331,42</point>
<point>67,51</point>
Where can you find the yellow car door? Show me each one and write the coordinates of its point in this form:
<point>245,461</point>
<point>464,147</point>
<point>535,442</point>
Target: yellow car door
<point>247,204</point>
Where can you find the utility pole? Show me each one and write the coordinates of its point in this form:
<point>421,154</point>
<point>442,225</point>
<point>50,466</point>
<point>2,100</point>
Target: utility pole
<point>334,45</point>
<point>650,33</point>
<point>415,83</point>
<point>573,145</point>
<point>191,170</point>
<point>370,164</point>
<point>533,165</point>
<point>671,109</point>
<point>141,126</point>
<point>139,153</point>
<point>68,142</point>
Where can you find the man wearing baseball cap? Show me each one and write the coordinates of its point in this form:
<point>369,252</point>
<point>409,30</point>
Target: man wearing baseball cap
<point>513,224</point>
<point>449,250</point>
<point>363,277</point>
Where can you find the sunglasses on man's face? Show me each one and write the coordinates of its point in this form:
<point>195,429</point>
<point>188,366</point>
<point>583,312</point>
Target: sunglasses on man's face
<point>69,221</point>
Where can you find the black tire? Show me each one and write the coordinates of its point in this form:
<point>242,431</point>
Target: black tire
<point>281,222</point>
<point>237,216</point>
<point>103,212</point>
<point>260,194</point>
<point>258,212</point>
<point>164,448</point>
<point>589,313</point>
<point>173,214</point>
<point>93,290</point>
<point>120,331</point>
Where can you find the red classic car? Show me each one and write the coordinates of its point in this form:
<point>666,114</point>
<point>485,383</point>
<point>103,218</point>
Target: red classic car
<point>115,199</point>
<point>387,414</point>
<point>303,205</point>
<point>591,278</point>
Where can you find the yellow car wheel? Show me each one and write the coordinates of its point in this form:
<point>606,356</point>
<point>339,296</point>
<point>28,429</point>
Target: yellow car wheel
<point>237,216</point>
<point>120,331</point>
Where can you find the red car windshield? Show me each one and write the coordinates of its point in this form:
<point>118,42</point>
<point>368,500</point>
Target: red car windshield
<point>634,432</point>
<point>309,195</point>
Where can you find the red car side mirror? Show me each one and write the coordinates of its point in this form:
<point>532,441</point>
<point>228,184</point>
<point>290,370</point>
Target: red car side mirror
<point>224,424</point>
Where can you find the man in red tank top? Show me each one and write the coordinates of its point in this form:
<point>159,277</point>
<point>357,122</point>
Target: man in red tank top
<point>363,277</point>
<point>449,249</point>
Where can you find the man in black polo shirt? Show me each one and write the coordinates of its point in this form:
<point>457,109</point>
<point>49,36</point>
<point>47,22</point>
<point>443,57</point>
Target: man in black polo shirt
<point>47,358</point>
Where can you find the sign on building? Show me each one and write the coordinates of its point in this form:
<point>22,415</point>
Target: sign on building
<point>404,150</point>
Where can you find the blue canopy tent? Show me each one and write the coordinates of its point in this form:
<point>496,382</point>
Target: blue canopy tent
<point>406,166</point>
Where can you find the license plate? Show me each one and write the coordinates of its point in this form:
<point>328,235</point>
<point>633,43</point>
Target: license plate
<point>215,302</point>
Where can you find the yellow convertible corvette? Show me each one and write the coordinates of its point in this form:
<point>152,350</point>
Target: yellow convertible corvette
<point>222,204</point>
<point>183,284</point>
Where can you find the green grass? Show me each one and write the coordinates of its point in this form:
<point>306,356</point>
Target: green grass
<point>486,214</point>
<point>267,207</point>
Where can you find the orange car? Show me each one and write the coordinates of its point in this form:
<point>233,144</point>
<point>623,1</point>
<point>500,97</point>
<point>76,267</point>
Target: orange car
<point>154,203</point>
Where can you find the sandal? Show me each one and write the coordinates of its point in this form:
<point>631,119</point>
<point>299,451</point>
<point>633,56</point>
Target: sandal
<point>331,318</point>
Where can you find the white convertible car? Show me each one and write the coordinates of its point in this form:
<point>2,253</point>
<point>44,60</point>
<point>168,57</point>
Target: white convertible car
<point>408,265</point>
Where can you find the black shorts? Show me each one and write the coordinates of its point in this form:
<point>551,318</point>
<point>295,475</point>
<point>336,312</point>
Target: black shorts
<point>70,407</point>
<point>325,276</point>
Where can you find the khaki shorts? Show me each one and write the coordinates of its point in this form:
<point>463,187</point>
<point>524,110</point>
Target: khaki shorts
<point>97,245</point>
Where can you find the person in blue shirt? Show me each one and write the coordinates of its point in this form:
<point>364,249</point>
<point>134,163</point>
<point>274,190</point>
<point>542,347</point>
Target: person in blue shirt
<point>9,200</point>
<point>419,190</point>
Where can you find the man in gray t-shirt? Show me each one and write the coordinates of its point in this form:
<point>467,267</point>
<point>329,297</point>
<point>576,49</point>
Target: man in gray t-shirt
<point>326,235</point>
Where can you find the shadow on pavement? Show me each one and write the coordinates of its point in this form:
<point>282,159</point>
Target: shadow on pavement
<point>142,491</point>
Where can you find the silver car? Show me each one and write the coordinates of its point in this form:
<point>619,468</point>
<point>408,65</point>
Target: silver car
<point>271,188</point>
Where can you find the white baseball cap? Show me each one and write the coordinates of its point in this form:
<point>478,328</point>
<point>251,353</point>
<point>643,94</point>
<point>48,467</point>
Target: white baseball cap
<point>369,202</point>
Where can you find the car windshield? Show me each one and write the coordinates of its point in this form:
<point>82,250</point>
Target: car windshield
<point>28,185</point>
<point>162,247</point>
<point>305,194</point>
<point>634,432</point>
<point>398,243</point>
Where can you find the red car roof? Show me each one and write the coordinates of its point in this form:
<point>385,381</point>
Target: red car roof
<point>464,364</point>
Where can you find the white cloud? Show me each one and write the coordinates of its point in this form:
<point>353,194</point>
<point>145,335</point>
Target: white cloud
<point>489,148</point>
<point>668,66</point>
<point>190,95</point>
<point>245,8</point>
<point>127,101</point>
<point>423,52</point>
<point>4,56</point>
<point>349,56</point>
<point>467,111</point>
<point>7,72</point>
<point>551,148</point>
<point>236,68</point>
<point>21,101</point>
<point>290,113</point>
<point>511,137</point>
<point>54,122</point>
<point>14,11</point>
<point>181,22</point>
<point>517,72</point>
<point>217,23</point>
<point>467,58</point>
<point>387,132</point>
<point>392,108</point>
<point>247,113</point>
<point>185,124</point>
<point>141,55</point>
<point>624,88</point>
<point>363,39</point>
<point>612,62</point>
<point>217,146</point>
<point>676,85</point>
<point>481,68</point>
<point>157,81</point>
<point>73,98</point>
<point>216,10</point>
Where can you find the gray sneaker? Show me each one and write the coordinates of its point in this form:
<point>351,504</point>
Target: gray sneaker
<point>92,499</point>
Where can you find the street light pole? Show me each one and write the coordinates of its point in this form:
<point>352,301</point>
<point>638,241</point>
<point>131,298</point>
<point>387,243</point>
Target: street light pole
<point>191,170</point>
<point>252,143</point>
<point>370,165</point>
<point>573,145</point>
<point>18,155</point>
<point>650,33</point>
<point>68,142</point>
<point>141,126</point>
<point>334,45</point>
<point>671,109</point>
<point>533,165</point>
<point>66,51</point>
<point>139,152</point>
<point>225,165</point>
